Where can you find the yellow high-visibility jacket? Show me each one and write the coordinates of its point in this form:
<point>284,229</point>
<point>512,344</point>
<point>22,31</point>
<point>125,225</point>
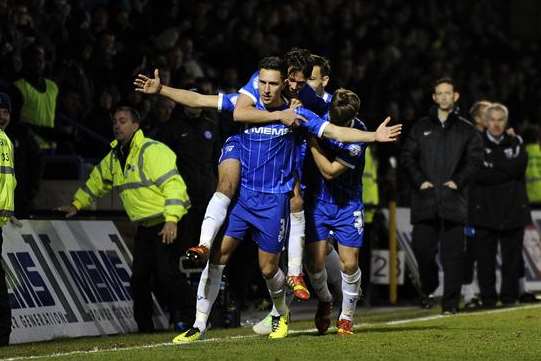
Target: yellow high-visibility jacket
<point>38,108</point>
<point>533,173</point>
<point>151,189</point>
<point>370,184</point>
<point>7,179</point>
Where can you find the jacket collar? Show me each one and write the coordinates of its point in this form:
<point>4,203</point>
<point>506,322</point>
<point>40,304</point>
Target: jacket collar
<point>453,115</point>
<point>136,140</point>
<point>503,140</point>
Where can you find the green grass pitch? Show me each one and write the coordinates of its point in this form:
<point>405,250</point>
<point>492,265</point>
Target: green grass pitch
<point>504,334</point>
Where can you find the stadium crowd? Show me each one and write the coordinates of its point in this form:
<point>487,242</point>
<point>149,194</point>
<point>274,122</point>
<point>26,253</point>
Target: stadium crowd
<point>84,56</point>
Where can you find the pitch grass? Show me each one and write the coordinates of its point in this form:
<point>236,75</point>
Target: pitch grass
<point>514,334</point>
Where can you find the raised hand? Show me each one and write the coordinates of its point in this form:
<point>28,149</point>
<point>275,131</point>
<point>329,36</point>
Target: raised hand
<point>295,103</point>
<point>146,85</point>
<point>385,133</point>
<point>291,118</point>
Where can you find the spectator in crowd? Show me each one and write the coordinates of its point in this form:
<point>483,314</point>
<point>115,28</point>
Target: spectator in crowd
<point>7,188</point>
<point>99,121</point>
<point>36,97</point>
<point>442,152</point>
<point>499,209</point>
<point>154,195</point>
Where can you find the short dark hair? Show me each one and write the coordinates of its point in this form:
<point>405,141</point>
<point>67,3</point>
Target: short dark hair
<point>299,60</point>
<point>136,116</point>
<point>444,80</point>
<point>323,63</point>
<point>273,63</point>
<point>344,106</point>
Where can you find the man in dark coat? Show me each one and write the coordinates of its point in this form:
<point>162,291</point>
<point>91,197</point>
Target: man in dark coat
<point>441,154</point>
<point>499,209</point>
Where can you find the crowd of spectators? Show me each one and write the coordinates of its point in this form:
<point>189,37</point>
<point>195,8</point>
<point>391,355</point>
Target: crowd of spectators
<point>389,52</point>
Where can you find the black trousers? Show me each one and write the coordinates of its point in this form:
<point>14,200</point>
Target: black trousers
<point>469,261</point>
<point>486,248</point>
<point>5,309</point>
<point>450,238</point>
<point>157,264</point>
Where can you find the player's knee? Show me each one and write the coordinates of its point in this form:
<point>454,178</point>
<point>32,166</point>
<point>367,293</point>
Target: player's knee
<point>268,270</point>
<point>350,266</point>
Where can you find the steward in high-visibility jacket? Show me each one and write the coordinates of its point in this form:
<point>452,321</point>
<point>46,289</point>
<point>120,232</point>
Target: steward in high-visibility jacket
<point>7,201</point>
<point>533,173</point>
<point>370,185</point>
<point>7,179</point>
<point>150,186</point>
<point>154,195</point>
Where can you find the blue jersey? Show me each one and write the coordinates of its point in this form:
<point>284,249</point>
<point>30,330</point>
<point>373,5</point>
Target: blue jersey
<point>307,96</point>
<point>268,150</point>
<point>346,188</point>
<point>227,101</point>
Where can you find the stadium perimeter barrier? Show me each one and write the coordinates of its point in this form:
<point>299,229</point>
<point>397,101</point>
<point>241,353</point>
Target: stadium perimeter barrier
<point>69,278</point>
<point>406,264</point>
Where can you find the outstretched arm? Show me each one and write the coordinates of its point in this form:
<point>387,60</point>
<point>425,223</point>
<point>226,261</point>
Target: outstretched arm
<point>321,128</point>
<point>187,98</point>
<point>383,133</point>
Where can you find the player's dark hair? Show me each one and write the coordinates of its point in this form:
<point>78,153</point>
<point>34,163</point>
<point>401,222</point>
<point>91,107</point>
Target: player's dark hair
<point>273,63</point>
<point>444,80</point>
<point>134,113</point>
<point>323,63</point>
<point>299,60</point>
<point>344,106</point>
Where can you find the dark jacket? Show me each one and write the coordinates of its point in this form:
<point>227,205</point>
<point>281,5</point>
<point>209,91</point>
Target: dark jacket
<point>437,154</point>
<point>498,198</point>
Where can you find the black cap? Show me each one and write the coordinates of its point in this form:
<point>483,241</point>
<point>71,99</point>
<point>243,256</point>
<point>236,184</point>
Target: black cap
<point>5,102</point>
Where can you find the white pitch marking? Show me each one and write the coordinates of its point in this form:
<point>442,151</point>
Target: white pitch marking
<point>243,337</point>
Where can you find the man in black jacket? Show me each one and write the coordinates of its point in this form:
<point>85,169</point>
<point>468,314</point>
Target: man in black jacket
<point>499,208</point>
<point>441,154</point>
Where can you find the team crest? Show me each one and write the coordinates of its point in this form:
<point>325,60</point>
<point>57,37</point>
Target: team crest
<point>354,150</point>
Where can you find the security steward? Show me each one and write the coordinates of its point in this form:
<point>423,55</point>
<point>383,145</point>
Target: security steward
<point>7,198</point>
<point>154,196</point>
